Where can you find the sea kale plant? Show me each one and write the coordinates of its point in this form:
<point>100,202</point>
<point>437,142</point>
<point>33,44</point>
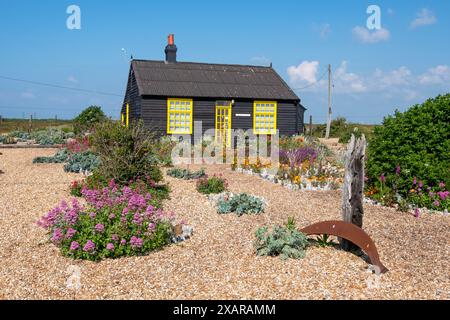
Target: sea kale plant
<point>114,222</point>
<point>240,204</point>
<point>185,173</point>
<point>214,184</point>
<point>284,241</point>
<point>60,156</point>
<point>82,162</point>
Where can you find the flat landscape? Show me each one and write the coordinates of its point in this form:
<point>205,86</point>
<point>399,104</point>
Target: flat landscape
<point>219,261</point>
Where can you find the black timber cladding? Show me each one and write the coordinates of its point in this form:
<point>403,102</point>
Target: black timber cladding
<point>150,83</point>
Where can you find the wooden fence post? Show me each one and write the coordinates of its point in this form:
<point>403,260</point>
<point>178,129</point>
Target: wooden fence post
<point>352,195</point>
<point>30,123</point>
<point>310,125</point>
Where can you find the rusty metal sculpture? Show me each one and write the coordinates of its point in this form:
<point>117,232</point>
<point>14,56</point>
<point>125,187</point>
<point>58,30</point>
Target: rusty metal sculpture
<point>351,233</point>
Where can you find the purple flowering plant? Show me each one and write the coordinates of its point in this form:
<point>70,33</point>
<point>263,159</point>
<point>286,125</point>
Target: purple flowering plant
<point>115,221</point>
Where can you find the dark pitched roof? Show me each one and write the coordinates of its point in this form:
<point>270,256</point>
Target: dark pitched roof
<point>188,79</point>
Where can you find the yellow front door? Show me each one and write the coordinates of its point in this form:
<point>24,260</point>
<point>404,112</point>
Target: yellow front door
<point>223,122</point>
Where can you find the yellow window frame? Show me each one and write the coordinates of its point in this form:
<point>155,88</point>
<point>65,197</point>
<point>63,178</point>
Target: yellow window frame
<point>179,113</point>
<point>265,109</point>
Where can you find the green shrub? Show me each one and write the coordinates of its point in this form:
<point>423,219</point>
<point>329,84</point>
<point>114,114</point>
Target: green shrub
<point>125,153</point>
<point>284,241</point>
<point>215,184</point>
<point>61,156</point>
<point>412,148</point>
<point>240,204</point>
<point>88,118</point>
<point>185,173</point>
<point>163,150</point>
<point>82,162</point>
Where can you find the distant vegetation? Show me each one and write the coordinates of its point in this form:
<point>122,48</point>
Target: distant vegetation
<point>343,130</point>
<point>8,125</point>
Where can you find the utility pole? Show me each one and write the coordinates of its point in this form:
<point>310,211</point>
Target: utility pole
<point>327,134</point>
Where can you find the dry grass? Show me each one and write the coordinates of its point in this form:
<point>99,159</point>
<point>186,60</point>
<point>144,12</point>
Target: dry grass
<point>219,261</point>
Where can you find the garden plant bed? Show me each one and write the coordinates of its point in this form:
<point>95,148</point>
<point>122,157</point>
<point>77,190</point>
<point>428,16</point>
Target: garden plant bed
<point>219,261</point>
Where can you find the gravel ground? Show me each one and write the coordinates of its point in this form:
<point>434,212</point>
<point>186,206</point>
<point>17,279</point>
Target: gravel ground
<point>218,262</point>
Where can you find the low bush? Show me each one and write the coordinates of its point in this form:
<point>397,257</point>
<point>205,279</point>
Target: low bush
<point>50,136</point>
<point>61,156</point>
<point>82,162</point>
<point>115,222</point>
<point>75,188</point>
<point>88,118</point>
<point>126,153</point>
<point>185,173</point>
<point>241,204</point>
<point>283,241</point>
<point>22,135</point>
<point>215,184</point>
<point>159,192</point>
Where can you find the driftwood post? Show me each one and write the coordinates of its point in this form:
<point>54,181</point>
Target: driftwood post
<point>352,195</point>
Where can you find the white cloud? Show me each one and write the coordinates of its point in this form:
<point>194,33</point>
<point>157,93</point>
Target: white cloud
<point>348,82</point>
<point>396,83</point>
<point>72,79</point>
<point>436,75</point>
<point>364,35</point>
<point>261,60</point>
<point>396,77</point>
<point>305,72</point>
<point>423,18</point>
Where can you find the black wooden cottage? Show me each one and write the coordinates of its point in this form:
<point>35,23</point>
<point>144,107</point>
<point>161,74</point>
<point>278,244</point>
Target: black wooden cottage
<point>170,95</point>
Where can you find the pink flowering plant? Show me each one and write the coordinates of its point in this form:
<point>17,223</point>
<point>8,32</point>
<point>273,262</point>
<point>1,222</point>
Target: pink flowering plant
<point>116,221</point>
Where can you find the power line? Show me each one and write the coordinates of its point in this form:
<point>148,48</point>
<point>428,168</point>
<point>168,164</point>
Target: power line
<point>314,83</point>
<point>61,87</point>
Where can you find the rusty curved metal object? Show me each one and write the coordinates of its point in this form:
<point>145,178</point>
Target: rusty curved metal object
<point>351,233</point>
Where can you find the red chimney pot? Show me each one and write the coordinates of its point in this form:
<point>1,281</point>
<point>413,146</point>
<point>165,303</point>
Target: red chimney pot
<point>171,39</point>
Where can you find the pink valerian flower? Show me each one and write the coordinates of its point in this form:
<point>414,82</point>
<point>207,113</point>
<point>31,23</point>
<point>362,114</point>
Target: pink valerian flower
<point>110,246</point>
<point>382,178</point>
<point>443,194</point>
<point>99,228</point>
<point>420,184</point>
<point>397,170</point>
<point>137,219</point>
<point>112,216</point>
<point>89,246</point>
<point>70,233</point>
<point>136,242</point>
<point>414,181</point>
<point>151,227</point>
<point>57,235</point>
<point>74,246</point>
<point>115,237</point>
<point>441,185</point>
<point>123,242</point>
<point>71,216</point>
<point>417,213</point>
<point>436,203</point>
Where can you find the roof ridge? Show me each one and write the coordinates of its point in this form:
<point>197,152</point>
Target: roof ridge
<point>205,63</point>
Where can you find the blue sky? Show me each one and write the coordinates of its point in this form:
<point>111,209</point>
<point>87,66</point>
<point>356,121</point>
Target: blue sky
<point>374,71</point>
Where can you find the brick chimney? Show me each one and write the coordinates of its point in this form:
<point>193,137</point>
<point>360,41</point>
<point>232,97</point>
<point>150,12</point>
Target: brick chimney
<point>171,50</point>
